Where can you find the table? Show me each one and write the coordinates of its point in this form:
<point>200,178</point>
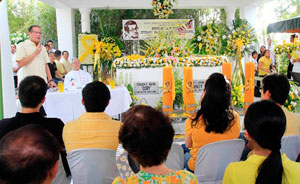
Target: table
<point>67,105</point>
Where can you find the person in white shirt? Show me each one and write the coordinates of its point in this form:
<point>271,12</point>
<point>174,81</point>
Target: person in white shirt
<point>254,59</point>
<point>272,54</point>
<point>50,43</point>
<point>77,78</point>
<point>65,61</point>
<point>14,63</point>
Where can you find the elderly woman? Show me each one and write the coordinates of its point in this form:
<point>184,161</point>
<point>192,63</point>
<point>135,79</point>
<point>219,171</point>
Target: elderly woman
<point>265,124</point>
<point>214,121</point>
<point>147,136</point>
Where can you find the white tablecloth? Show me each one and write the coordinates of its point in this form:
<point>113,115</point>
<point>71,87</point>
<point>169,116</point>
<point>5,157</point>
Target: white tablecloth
<point>67,105</point>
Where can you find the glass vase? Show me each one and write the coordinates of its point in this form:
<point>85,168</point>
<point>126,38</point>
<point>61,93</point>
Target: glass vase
<point>282,64</point>
<point>237,83</point>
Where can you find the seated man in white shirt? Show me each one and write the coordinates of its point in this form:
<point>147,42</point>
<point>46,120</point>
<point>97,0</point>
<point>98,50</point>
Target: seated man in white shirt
<point>77,78</point>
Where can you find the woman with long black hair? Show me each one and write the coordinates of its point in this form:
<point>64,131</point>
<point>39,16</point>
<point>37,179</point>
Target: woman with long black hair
<point>265,124</point>
<point>215,121</point>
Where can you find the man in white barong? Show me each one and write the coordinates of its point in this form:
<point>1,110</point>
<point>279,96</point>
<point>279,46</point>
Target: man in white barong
<point>77,78</point>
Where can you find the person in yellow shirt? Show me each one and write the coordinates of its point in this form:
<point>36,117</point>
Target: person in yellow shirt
<point>65,61</point>
<point>276,88</point>
<point>265,124</point>
<point>265,64</point>
<point>94,128</point>
<point>215,121</point>
<point>60,67</point>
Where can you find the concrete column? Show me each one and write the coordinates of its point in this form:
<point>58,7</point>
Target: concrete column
<point>66,30</point>
<point>85,19</point>
<point>230,12</point>
<point>8,91</point>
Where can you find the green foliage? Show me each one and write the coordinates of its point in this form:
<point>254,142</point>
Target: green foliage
<point>24,13</point>
<point>288,9</point>
<point>178,88</point>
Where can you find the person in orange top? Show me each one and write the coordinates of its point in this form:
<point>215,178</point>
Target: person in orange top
<point>215,121</point>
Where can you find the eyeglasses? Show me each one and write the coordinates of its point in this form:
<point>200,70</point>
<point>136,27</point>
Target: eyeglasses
<point>36,32</point>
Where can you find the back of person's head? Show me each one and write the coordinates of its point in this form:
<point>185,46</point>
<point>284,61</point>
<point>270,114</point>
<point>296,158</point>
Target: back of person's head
<point>147,135</point>
<point>28,155</point>
<point>57,53</point>
<point>215,105</point>
<point>95,96</point>
<point>32,91</point>
<point>265,122</point>
<point>278,86</point>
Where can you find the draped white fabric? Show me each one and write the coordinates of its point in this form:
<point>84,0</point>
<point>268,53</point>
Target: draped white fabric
<point>67,105</point>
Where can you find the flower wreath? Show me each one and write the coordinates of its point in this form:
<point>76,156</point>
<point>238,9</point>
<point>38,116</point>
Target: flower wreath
<point>162,8</point>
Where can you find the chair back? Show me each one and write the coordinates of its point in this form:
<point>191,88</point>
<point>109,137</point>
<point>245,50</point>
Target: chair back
<point>175,159</point>
<point>213,158</point>
<point>93,166</point>
<point>61,177</point>
<point>290,145</point>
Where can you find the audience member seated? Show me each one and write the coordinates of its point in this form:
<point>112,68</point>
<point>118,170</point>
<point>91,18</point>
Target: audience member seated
<point>215,121</point>
<point>53,68</point>
<point>265,124</point>
<point>254,60</point>
<point>276,88</point>
<point>265,64</point>
<point>147,136</point>
<point>94,128</point>
<point>28,155</point>
<point>261,54</point>
<point>32,91</point>
<point>65,61</point>
<point>77,78</point>
<point>60,67</point>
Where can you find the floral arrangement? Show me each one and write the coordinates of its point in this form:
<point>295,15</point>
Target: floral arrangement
<point>162,8</point>
<point>242,30</point>
<point>16,38</point>
<point>128,62</point>
<point>288,48</point>
<point>207,40</point>
<point>166,44</point>
<point>237,96</point>
<point>293,101</point>
<point>107,49</point>
<point>278,49</point>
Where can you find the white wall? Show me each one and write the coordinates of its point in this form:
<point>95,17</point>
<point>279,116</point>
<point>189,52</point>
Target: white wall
<point>8,92</point>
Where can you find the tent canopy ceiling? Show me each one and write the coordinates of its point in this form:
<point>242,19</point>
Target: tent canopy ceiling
<point>146,4</point>
<point>285,26</point>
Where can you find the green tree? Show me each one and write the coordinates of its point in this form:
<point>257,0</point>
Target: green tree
<point>288,9</point>
<point>24,13</point>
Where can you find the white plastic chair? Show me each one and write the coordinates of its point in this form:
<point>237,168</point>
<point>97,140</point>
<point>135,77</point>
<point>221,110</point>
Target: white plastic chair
<point>213,158</point>
<point>175,159</point>
<point>61,177</point>
<point>290,145</point>
<point>93,166</point>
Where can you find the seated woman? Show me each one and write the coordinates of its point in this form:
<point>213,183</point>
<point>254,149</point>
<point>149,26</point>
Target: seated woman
<point>215,121</point>
<point>265,124</point>
<point>265,64</point>
<point>147,136</point>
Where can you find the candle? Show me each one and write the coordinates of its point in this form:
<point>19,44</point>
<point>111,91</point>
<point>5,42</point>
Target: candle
<point>249,84</point>
<point>226,70</point>
<point>168,90</point>
<point>188,90</point>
